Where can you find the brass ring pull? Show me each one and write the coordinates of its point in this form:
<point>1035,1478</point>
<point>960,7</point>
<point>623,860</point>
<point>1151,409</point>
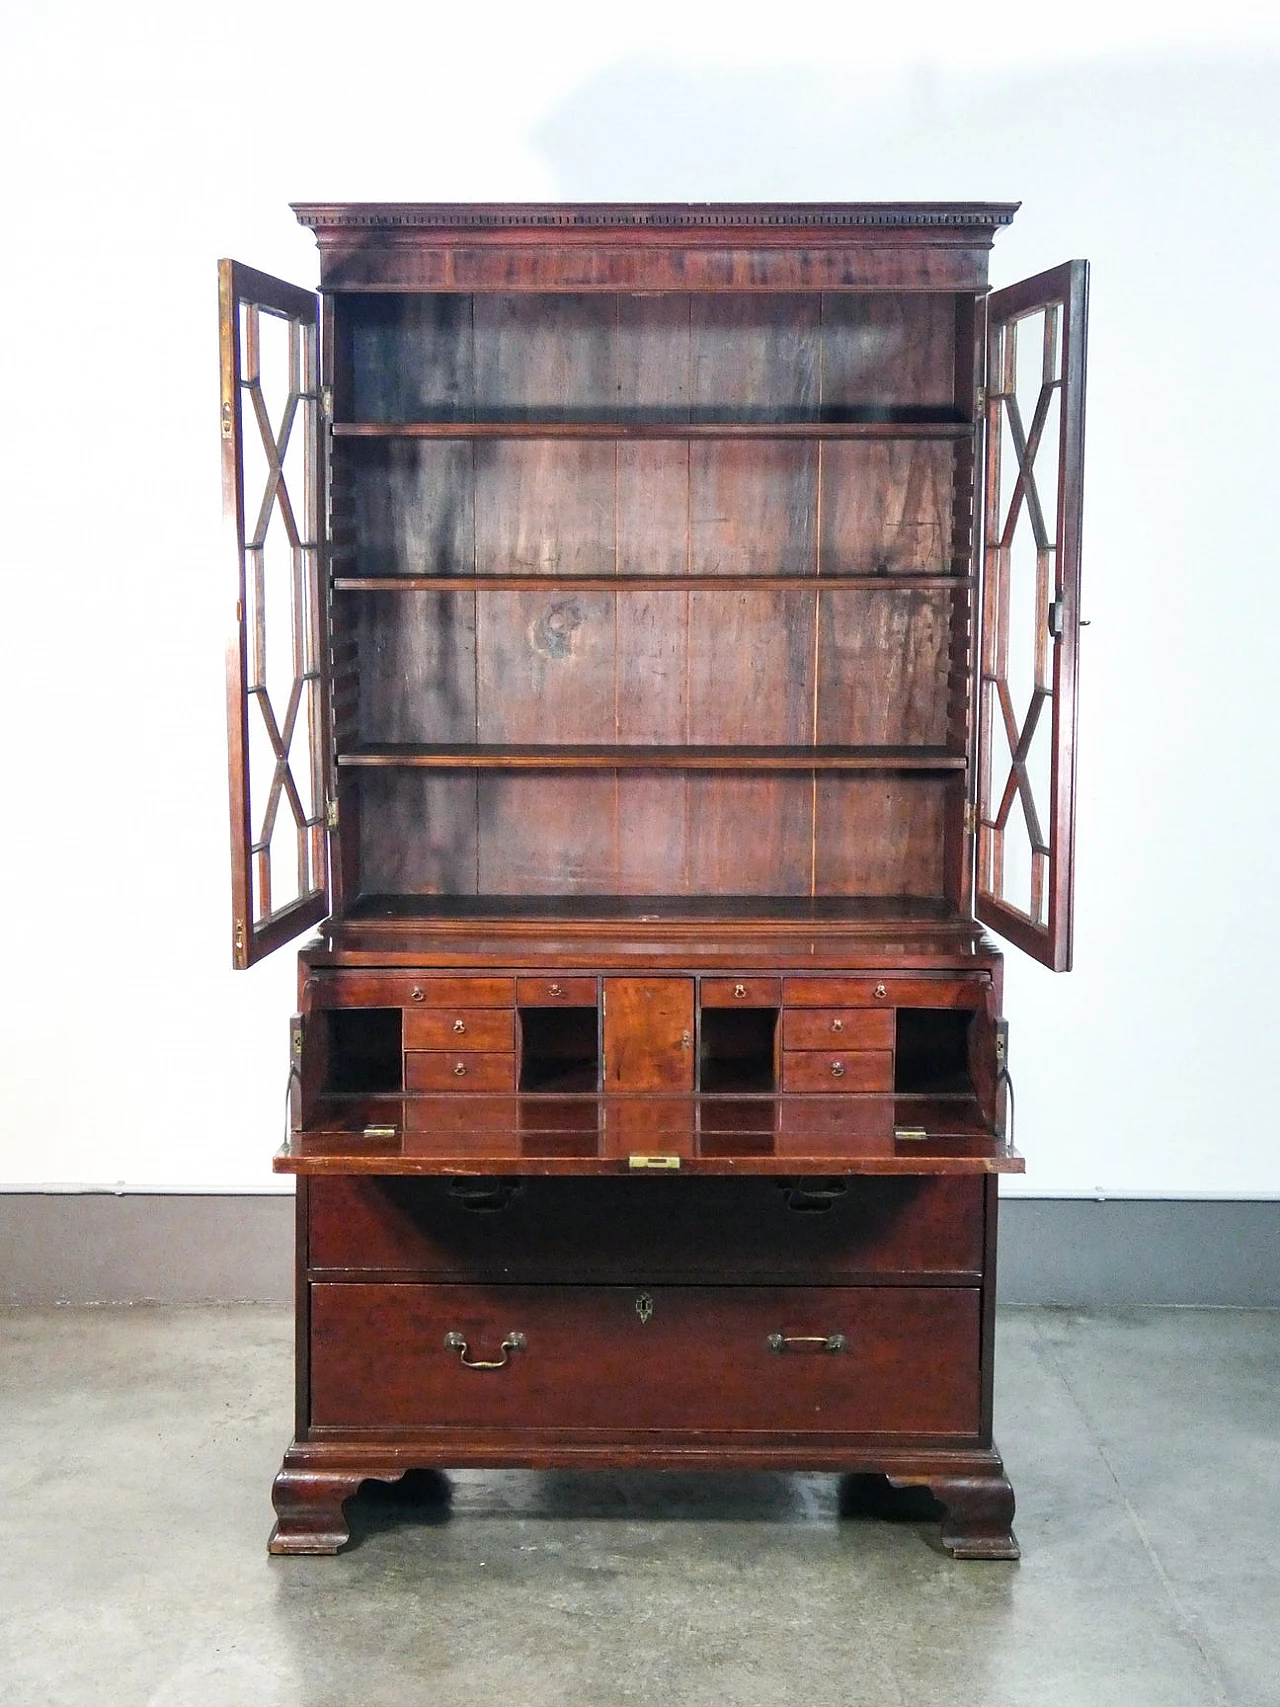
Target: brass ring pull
<point>739,989</point>
<point>459,1025</point>
<point>837,1069</point>
<point>460,1070</point>
<point>828,1342</point>
<point>555,989</point>
<point>417,994</point>
<point>837,1025</point>
<point>880,992</point>
<point>457,1342</point>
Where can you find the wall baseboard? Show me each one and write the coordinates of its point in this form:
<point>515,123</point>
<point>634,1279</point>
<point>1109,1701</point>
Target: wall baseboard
<point>133,1248</point>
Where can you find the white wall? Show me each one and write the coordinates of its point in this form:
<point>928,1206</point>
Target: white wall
<point>141,143</point>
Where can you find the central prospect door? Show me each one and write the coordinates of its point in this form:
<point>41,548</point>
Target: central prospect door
<point>648,1034</point>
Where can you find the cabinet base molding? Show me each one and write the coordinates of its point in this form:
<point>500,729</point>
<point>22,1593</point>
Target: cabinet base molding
<point>318,1478</point>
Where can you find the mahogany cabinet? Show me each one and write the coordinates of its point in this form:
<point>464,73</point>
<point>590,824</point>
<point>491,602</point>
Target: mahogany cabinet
<point>654,666</point>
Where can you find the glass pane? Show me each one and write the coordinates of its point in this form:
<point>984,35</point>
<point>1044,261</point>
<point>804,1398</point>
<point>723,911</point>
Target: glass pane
<point>278,488</point>
<point>1018,643</point>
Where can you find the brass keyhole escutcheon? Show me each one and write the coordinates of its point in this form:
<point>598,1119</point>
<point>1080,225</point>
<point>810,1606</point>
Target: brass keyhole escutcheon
<point>837,1025</point>
<point>739,989</point>
<point>644,1306</point>
<point>686,1040</point>
<point>459,1025</point>
<point>880,992</point>
<point>460,1071</point>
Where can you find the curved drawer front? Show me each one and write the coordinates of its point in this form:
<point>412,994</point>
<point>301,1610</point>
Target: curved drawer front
<point>824,1361</point>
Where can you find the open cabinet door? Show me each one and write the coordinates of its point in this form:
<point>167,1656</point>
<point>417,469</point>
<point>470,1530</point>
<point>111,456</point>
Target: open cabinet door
<point>1031,610</point>
<point>271,491</point>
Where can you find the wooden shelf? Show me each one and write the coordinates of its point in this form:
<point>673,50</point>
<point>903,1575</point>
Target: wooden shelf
<point>509,583</point>
<point>543,429</point>
<point>477,756</point>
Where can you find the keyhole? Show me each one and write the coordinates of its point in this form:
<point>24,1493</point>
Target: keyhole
<point>644,1306</point>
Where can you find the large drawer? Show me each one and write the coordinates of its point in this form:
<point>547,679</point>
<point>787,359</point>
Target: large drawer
<point>647,1230</point>
<point>674,1358</point>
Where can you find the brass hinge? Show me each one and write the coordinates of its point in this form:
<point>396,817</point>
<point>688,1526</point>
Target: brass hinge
<point>295,1035</point>
<point>239,936</point>
<point>226,420</point>
<point>1056,619</point>
<point>654,1164</point>
<point>331,814</point>
<point>326,402</point>
<point>982,400</point>
<point>971,818</point>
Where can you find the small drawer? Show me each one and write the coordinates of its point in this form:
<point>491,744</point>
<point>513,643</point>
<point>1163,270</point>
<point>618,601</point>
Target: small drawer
<point>460,1028</point>
<point>459,1072</point>
<point>554,992</point>
<point>823,1070</point>
<point>924,992</point>
<point>409,990</point>
<point>431,992</point>
<point>837,1028</point>
<point>741,992</point>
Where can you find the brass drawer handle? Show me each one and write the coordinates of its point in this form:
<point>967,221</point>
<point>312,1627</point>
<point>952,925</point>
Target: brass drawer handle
<point>459,1025</point>
<point>880,992</point>
<point>837,1069</point>
<point>837,1025</point>
<point>417,994</point>
<point>460,1070</point>
<point>555,989</point>
<point>457,1342</point>
<point>739,989</point>
<point>828,1342</point>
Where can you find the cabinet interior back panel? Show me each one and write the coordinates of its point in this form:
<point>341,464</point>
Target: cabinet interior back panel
<point>665,356</point>
<point>650,833</point>
<point>650,667</point>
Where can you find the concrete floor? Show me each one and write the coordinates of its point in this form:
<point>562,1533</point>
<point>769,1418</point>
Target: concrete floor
<point>137,1448</point>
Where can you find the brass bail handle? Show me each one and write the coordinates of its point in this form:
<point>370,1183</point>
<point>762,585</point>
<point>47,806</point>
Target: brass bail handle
<point>828,1342</point>
<point>457,1342</point>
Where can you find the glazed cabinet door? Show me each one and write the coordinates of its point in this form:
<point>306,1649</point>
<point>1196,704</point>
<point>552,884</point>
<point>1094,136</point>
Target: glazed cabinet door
<point>272,508</point>
<point>1031,610</point>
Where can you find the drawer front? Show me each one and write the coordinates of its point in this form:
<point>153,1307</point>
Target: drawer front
<point>403,990</point>
<point>648,1230</point>
<point>849,1070</point>
<point>884,992</point>
<point>837,1028</point>
<point>741,992</point>
<point>556,992</point>
<point>459,1072</point>
<point>460,1028</point>
<point>669,1358</point>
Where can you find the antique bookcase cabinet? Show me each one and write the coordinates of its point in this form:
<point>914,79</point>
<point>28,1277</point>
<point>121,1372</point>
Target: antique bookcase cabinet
<point>654,663</point>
